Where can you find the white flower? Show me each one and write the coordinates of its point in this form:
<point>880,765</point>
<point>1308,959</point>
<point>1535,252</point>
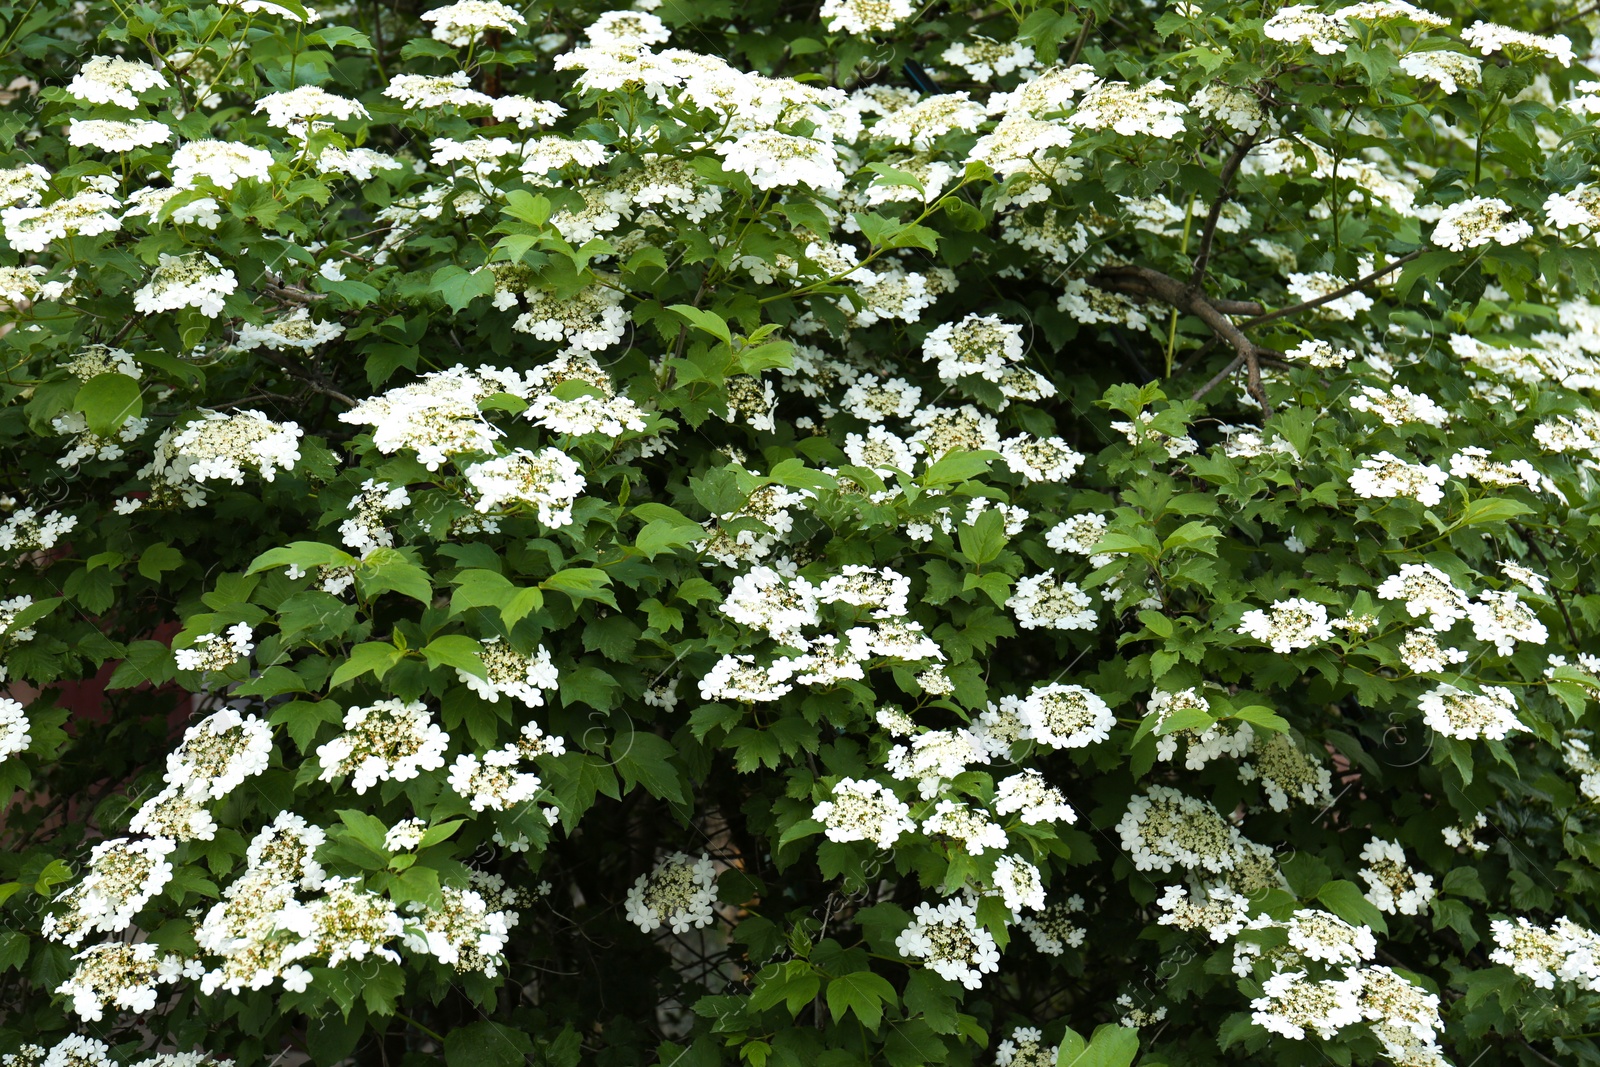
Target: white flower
<point>1489,38</point>
<point>492,783</point>
<point>114,80</point>
<point>1066,716</point>
<point>968,825</point>
<point>1456,713</point>
<point>1042,600</point>
<point>1301,24</point>
<point>295,109</point>
<point>1019,883</point>
<point>1288,624</point>
<point>218,754</point>
<point>678,894</point>
<point>387,741</point>
<point>511,673</point>
<point>771,159</point>
<point>1386,475</point>
<point>549,480</point>
<point>864,810</point>
<point>948,939</point>
<point>1477,221</point>
<point>1163,827</point>
<point>1392,886</point>
<point>1502,618</point>
<point>116,135</point>
<point>1452,71</point>
<point>14,735</point>
<point>1428,591</point>
<point>462,23</point>
<point>196,280</point>
<point>1129,111</point>
<point>865,16</point>
<point>1035,799</point>
<point>223,163</point>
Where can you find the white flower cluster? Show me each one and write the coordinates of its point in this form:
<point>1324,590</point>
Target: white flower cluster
<point>1288,624</point>
<point>196,280</point>
<point>1392,886</point>
<point>1564,950</point>
<point>26,531</point>
<point>14,734</point>
<point>297,330</point>
<point>965,824</point>
<point>865,16</point>
<point>463,932</point>
<point>1045,601</point>
<point>1163,827</point>
<point>211,652</point>
<point>388,741</point>
<point>1468,716</point>
<point>548,480</point>
<point>1286,772</point>
<point>1387,476</point>
<point>1066,716</point>
<point>122,976</point>
<point>1032,799</point>
<point>1477,221</point>
<point>678,894</point>
<point>949,940</point>
<point>462,23</point>
<point>124,875</point>
<point>864,810</point>
<point>512,674</point>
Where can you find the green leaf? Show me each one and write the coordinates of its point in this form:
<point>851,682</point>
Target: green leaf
<point>158,558</point>
<point>1263,717</point>
<point>302,554</point>
<point>983,540</point>
<point>1490,510</point>
<point>1112,1046</point>
<point>1346,900</point>
<point>646,759</point>
<point>863,993</point>
<point>486,1044</point>
<point>662,536</point>
<point>107,401</point>
<point>460,287</point>
<point>373,658</point>
<point>701,319</point>
<point>582,583</point>
<point>394,574</point>
<point>456,650</point>
<point>958,467</point>
<point>528,207</point>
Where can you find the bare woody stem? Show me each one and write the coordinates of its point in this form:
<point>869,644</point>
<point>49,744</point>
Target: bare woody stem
<point>1151,284</point>
<point>1208,232</point>
<point>1307,305</point>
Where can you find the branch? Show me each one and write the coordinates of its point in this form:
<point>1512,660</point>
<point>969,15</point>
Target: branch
<point>311,383</point>
<point>1208,232</point>
<point>1307,305</point>
<point>1130,280</point>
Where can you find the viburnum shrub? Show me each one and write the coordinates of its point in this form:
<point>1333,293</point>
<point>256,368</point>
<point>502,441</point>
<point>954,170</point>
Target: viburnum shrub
<point>804,535</point>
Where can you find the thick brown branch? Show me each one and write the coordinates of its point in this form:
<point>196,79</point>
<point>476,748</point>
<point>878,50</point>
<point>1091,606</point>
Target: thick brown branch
<point>1307,305</point>
<point>1208,232</point>
<point>1154,285</point>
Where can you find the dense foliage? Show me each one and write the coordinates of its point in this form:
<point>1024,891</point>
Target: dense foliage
<point>798,534</point>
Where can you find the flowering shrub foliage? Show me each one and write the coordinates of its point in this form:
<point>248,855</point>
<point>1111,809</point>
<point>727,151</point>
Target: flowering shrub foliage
<point>794,534</point>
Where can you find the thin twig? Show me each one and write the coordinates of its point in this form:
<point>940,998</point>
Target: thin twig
<point>1307,305</point>
<point>311,383</point>
<point>1230,168</point>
